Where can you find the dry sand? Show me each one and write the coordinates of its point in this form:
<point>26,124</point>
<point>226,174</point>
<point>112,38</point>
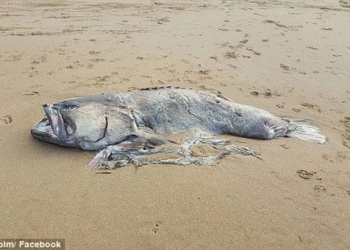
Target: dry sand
<point>288,57</point>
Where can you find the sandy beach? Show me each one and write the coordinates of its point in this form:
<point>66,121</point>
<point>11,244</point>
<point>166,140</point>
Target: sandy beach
<point>288,57</point>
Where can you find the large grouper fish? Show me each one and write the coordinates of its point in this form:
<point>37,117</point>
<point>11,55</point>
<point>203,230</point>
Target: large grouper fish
<point>136,121</point>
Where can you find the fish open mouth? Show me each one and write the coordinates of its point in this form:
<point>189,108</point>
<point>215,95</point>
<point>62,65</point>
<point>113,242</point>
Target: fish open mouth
<point>52,127</point>
<point>42,129</point>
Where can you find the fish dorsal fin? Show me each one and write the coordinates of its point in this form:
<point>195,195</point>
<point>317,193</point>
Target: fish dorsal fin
<point>220,95</point>
<point>159,87</point>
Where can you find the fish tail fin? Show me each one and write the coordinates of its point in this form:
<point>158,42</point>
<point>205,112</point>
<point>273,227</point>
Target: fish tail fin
<point>303,130</point>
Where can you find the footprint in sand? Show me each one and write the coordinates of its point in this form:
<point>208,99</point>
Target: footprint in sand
<point>241,45</point>
<point>38,60</point>
<point>31,93</point>
<point>14,58</point>
<point>346,135</point>
<point>320,188</point>
<point>253,51</point>
<point>305,174</point>
<point>312,176</point>
<point>6,119</point>
<point>267,94</point>
<point>284,67</point>
<point>344,3</point>
<point>340,156</point>
<point>311,106</point>
<point>287,69</point>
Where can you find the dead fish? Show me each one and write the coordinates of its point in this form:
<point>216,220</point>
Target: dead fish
<point>124,122</point>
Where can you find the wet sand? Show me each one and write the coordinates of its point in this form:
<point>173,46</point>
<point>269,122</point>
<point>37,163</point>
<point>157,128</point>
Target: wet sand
<point>290,58</point>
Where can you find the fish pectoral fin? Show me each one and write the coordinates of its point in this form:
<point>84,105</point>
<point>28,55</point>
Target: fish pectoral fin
<point>131,143</point>
<point>153,138</point>
<point>100,157</point>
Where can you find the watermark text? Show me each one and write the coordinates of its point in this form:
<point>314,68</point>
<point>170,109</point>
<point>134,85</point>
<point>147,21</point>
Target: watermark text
<point>31,244</point>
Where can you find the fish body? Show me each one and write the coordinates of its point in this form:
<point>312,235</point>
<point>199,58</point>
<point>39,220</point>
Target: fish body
<point>139,118</point>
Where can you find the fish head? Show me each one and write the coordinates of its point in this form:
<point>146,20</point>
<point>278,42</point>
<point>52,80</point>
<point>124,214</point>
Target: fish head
<point>72,124</point>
